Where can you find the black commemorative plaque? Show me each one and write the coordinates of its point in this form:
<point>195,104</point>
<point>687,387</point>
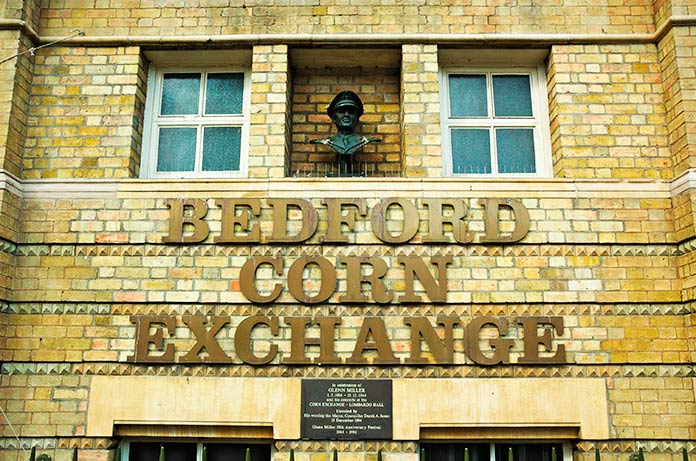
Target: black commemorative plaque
<point>347,409</point>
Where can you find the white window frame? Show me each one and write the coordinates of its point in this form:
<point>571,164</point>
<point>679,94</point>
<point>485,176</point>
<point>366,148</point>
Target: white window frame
<point>539,121</point>
<point>153,121</point>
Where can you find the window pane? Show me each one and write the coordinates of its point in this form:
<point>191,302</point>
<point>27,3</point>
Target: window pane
<point>237,452</point>
<point>512,96</point>
<point>471,151</point>
<point>468,96</point>
<point>149,451</point>
<point>224,94</point>
<point>221,146</point>
<point>177,149</point>
<point>457,451</point>
<point>527,452</point>
<point>180,94</point>
<point>515,150</point>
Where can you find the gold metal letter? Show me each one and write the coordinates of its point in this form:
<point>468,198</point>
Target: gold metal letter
<point>436,218</point>
<point>378,220</point>
<point>336,217</point>
<point>299,341</point>
<point>177,220</point>
<point>442,349</point>
<point>205,339</point>
<point>521,217</point>
<point>532,340</point>
<point>328,279</point>
<point>280,220</point>
<point>414,267</point>
<point>242,339</point>
<point>247,278</point>
<point>355,279</point>
<point>501,345</point>
<point>143,338</point>
<point>373,326</point>
<point>231,220</point>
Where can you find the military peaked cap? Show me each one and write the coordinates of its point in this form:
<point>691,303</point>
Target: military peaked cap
<point>345,98</point>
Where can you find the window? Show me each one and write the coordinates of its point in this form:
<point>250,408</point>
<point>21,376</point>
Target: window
<point>495,123</point>
<point>197,124</point>
<point>194,451</point>
<point>496,452</point>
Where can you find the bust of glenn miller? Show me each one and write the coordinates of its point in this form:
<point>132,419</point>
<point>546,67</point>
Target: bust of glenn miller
<point>345,111</point>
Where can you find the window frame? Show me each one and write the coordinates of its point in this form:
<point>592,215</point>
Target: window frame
<point>200,443</point>
<point>153,121</point>
<point>565,455</point>
<point>538,122</point>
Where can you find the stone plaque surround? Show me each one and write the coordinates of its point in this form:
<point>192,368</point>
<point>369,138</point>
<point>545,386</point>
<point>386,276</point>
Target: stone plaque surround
<point>176,402</point>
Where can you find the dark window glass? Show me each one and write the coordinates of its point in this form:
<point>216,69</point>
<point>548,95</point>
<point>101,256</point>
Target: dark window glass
<point>177,149</point>
<point>527,452</point>
<point>482,451</point>
<point>180,94</point>
<point>468,96</point>
<point>224,94</point>
<point>237,452</point>
<point>457,451</point>
<point>471,151</point>
<point>221,146</point>
<point>515,150</point>
<point>512,96</point>
<point>150,451</point>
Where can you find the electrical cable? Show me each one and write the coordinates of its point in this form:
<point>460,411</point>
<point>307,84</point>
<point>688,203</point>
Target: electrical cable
<point>13,431</point>
<point>77,33</point>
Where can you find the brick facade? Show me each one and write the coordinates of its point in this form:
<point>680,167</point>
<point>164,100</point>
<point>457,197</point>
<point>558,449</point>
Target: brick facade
<point>610,247</point>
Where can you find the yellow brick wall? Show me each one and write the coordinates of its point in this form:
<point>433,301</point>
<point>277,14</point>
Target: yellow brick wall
<point>10,205</point>
<point>594,336</point>
<point>27,10</point>
<point>268,149</point>
<point>690,321</point>
<point>676,56</point>
<point>420,112</point>
<point>7,273</point>
<point>53,352</point>
<point>211,18</point>
<point>616,261</point>
<point>607,114</point>
<point>85,114</point>
<point>9,230</point>
<point>15,75</point>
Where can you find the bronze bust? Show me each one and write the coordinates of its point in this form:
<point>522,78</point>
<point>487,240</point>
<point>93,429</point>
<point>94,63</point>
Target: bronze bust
<point>345,111</point>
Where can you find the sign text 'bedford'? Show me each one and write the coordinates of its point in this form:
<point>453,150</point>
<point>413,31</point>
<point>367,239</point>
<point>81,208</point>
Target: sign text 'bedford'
<point>391,221</point>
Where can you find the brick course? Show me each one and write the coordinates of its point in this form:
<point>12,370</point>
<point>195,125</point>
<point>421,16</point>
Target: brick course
<point>212,17</point>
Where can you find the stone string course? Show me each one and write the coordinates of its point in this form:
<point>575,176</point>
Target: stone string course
<point>62,448</point>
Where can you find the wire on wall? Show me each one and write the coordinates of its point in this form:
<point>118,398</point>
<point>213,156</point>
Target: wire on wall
<point>13,431</point>
<point>76,33</point>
